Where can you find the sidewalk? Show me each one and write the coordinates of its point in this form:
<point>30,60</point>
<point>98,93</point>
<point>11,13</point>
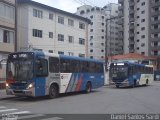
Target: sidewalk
<point>3,94</point>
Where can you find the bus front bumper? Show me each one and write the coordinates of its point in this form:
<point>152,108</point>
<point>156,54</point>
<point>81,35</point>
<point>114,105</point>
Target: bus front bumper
<point>120,84</point>
<point>19,92</point>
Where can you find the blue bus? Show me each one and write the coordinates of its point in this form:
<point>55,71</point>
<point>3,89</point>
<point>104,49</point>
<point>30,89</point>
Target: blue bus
<point>123,74</point>
<point>36,73</point>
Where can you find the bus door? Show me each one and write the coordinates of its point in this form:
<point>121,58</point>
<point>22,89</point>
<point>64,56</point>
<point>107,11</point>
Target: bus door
<point>41,71</point>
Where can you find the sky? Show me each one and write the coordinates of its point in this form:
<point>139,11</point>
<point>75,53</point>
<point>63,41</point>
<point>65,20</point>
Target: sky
<point>71,5</point>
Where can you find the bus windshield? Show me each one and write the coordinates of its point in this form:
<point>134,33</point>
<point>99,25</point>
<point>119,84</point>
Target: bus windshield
<point>118,71</point>
<point>20,67</point>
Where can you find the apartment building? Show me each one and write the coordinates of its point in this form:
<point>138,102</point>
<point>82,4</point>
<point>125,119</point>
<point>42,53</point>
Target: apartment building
<point>135,24</point>
<point>96,31</point>
<point>7,31</point>
<point>154,28</point>
<point>52,30</point>
<point>114,38</point>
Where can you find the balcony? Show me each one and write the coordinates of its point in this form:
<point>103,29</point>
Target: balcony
<point>131,19</point>
<point>131,11</point>
<point>131,3</point>
<point>131,35</point>
<point>155,21</point>
<point>131,26</point>
<point>155,4</point>
<point>155,13</point>
<point>121,28</point>
<point>120,1</point>
<point>120,14</point>
<point>120,7</point>
<point>155,30</point>
<point>120,21</point>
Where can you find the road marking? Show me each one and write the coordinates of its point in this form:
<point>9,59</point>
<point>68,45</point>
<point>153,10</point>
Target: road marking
<point>21,112</point>
<point>54,118</point>
<point>1,107</point>
<point>7,110</point>
<point>30,116</point>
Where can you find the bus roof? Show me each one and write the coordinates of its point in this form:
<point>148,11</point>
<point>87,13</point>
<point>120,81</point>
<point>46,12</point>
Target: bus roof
<point>132,63</point>
<point>41,53</point>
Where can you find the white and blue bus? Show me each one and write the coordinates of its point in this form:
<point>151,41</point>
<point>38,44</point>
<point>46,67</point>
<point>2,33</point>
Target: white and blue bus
<point>38,74</point>
<point>123,74</point>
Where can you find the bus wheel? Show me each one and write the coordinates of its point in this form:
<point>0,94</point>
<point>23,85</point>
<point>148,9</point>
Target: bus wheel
<point>53,91</point>
<point>146,82</point>
<point>88,87</point>
<point>117,86</point>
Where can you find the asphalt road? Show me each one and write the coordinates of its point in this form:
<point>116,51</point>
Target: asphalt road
<point>104,100</point>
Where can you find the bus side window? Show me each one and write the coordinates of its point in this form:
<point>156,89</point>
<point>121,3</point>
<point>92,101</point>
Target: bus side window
<point>92,67</point>
<point>75,66</point>
<point>84,66</point>
<point>65,66</point>
<point>99,68</point>
<point>53,65</point>
<point>41,68</point>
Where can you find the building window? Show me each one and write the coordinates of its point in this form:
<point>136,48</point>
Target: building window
<point>91,50</point>
<point>6,36</point>
<point>102,17</point>
<point>142,12</point>
<point>102,37</point>
<point>102,50</point>
<point>143,28</point>
<point>102,24</point>
<point>81,25</point>
<point>51,16</point>
<point>50,34</point>
<point>137,48</point>
<point>91,57</point>
<point>138,9</point>
<point>82,55</point>
<point>91,44</point>
<point>138,1</point>
<point>60,52</point>
<point>60,20</point>
<point>70,39</point>
<point>137,17</point>
<point>102,44</point>
<point>91,16</point>
<point>143,44</point>
<point>143,36</point>
<point>137,40</point>
<point>70,53</point>
<point>81,41</point>
<point>137,24</point>
<point>37,33</point>
<point>70,22</point>
<point>60,37</point>
<point>142,53</point>
<point>143,20</point>
<point>143,4</point>
<point>7,11</point>
<point>137,32</point>
<point>91,30</point>
<point>37,13</point>
<point>50,51</point>
<point>102,30</point>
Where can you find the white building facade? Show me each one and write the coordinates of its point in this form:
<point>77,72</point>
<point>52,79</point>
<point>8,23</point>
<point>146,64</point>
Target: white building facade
<point>96,31</point>
<point>7,32</point>
<point>135,21</point>
<point>50,29</point>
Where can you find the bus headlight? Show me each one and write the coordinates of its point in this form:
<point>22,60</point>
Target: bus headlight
<point>30,86</point>
<point>7,85</point>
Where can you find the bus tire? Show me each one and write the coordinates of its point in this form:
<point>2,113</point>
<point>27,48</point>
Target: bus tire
<point>134,84</point>
<point>117,86</point>
<point>146,82</point>
<point>53,91</point>
<point>88,87</point>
